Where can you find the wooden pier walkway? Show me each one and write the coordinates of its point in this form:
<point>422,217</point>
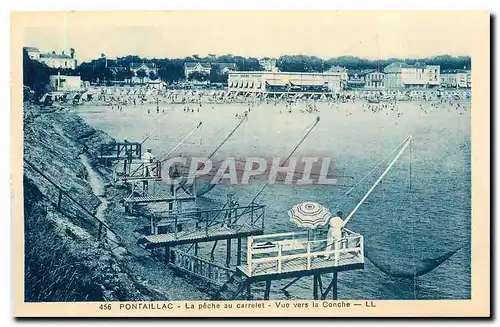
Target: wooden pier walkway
<point>208,234</point>
<point>157,198</point>
<point>299,267</point>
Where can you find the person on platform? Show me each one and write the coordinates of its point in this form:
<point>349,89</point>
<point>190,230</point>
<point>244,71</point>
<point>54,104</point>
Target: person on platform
<point>147,159</point>
<point>335,232</point>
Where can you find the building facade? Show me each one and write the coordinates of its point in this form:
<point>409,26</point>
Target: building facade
<point>375,80</point>
<point>199,67</point>
<point>53,59</point>
<point>402,75</point>
<point>65,83</point>
<point>265,82</point>
<point>341,71</point>
<point>149,70</point>
<point>224,67</point>
<point>268,64</point>
<point>456,78</point>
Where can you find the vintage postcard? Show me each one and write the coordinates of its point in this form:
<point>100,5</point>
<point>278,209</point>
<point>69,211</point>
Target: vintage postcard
<point>251,164</point>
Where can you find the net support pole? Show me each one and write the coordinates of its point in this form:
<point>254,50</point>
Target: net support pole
<point>393,161</point>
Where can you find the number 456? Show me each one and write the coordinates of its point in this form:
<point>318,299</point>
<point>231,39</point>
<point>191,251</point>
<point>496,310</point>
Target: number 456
<point>105,306</point>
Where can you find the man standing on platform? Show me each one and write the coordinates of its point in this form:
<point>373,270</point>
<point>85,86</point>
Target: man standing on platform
<point>335,232</point>
<point>147,159</point>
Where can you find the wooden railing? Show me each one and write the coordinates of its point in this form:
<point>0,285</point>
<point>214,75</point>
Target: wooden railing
<point>102,226</point>
<point>201,268</point>
<point>121,150</point>
<point>131,170</point>
<point>205,219</point>
<point>283,247</point>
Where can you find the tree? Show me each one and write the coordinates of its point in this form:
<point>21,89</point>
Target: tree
<point>152,75</point>
<point>35,75</point>
<point>198,76</point>
<point>141,74</point>
<point>170,70</point>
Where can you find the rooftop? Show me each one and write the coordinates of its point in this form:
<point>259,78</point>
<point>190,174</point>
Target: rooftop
<point>31,49</point>
<point>455,71</point>
<point>137,65</point>
<point>337,69</point>
<point>222,65</point>
<point>279,73</point>
<point>55,56</point>
<point>193,64</point>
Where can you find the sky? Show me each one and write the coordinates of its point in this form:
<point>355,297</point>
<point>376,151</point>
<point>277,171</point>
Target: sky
<point>257,34</point>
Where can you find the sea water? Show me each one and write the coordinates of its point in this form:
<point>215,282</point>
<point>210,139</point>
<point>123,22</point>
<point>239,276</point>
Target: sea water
<point>420,211</point>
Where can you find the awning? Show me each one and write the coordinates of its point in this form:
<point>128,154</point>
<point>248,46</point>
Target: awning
<point>299,82</point>
<point>276,83</point>
<point>241,84</point>
<point>246,84</point>
<point>250,85</point>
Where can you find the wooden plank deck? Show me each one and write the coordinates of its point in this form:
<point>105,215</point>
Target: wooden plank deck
<point>213,233</point>
<point>112,156</point>
<point>158,198</point>
<point>298,266</point>
<point>124,178</point>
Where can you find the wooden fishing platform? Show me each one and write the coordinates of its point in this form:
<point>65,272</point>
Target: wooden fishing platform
<point>299,267</point>
<point>134,172</point>
<point>157,198</point>
<point>120,150</point>
<point>290,255</point>
<point>284,255</point>
<point>212,233</point>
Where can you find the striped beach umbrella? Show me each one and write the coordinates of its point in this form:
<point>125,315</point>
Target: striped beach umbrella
<point>309,215</point>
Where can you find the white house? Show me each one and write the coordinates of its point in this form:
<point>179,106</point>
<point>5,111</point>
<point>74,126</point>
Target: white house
<point>65,83</point>
<point>375,80</point>
<point>401,75</point>
<point>341,71</point>
<point>199,67</point>
<point>53,59</point>
<point>33,53</point>
<point>269,65</point>
<point>147,68</point>
<point>456,78</point>
<point>224,67</point>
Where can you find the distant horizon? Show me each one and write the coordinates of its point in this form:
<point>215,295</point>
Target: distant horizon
<point>58,51</point>
<point>154,35</point>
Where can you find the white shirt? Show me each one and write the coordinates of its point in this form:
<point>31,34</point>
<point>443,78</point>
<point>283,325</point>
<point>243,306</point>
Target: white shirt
<point>336,226</point>
<point>147,157</point>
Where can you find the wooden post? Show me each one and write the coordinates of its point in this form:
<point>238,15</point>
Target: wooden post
<point>195,249</point>
<point>279,258</point>
<point>334,289</point>
<point>251,214</point>
<point>267,290</point>
<point>100,231</point>
<point>249,290</point>
<point>167,254</point>
<point>238,250</point>
<point>59,200</point>
<point>249,255</point>
<point>228,253</point>
<point>315,286</point>
<point>308,255</point>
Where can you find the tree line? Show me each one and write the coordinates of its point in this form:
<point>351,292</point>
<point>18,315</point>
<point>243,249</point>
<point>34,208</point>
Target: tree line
<point>171,70</point>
